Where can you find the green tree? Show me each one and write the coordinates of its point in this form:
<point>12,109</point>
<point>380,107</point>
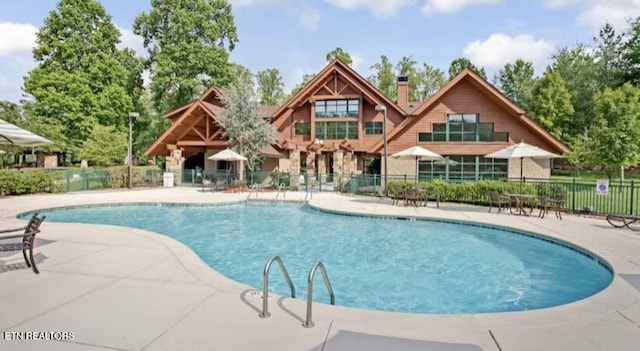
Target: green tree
<point>80,79</point>
<point>630,58</point>
<point>614,136</point>
<point>244,128</point>
<point>189,43</point>
<point>578,68</point>
<point>551,106</point>
<point>105,147</point>
<point>516,81</point>
<point>432,79</point>
<point>407,67</point>
<point>458,65</point>
<point>270,87</point>
<point>10,112</point>
<point>608,53</point>
<point>339,54</point>
<point>384,77</point>
<point>240,73</point>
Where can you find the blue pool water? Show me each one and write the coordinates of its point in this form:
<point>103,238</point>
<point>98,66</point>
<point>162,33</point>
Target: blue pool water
<point>381,264</point>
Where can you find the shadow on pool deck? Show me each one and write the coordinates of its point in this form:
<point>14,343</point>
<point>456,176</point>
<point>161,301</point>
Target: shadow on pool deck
<point>347,340</point>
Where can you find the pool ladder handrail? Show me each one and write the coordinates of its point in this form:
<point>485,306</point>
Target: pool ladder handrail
<point>308,323</point>
<point>309,194</point>
<point>254,188</point>
<point>265,284</point>
<point>281,188</point>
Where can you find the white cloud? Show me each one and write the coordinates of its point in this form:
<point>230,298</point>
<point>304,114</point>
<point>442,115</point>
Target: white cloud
<point>16,38</point>
<point>595,13</point>
<point>132,41</point>
<point>356,60</point>
<point>301,10</point>
<point>451,6</point>
<point>379,8</point>
<point>499,49</point>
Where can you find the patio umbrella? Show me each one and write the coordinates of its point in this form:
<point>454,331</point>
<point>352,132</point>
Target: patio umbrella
<point>417,153</point>
<point>14,135</point>
<point>521,151</point>
<point>228,155</point>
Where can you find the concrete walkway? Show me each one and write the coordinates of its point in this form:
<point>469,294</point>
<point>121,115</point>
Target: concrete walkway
<point>119,288</point>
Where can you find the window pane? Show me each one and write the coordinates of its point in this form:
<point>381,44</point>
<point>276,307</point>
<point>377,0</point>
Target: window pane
<point>439,137</point>
<point>455,118</point>
<point>424,137</point>
<point>352,132</point>
<point>440,127</point>
<point>501,136</point>
<point>354,108</point>
<point>455,136</point>
<point>470,118</point>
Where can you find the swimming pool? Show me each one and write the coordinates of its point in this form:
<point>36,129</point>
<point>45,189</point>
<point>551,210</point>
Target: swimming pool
<point>373,263</point>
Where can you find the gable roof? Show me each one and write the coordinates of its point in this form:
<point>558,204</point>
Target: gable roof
<point>350,75</point>
<point>487,89</point>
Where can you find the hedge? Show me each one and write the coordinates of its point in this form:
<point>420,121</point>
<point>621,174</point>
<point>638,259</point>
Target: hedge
<point>20,182</point>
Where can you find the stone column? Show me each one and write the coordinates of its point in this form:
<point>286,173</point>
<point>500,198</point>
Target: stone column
<point>338,164</point>
<point>322,164</point>
<point>175,163</point>
<point>311,162</point>
<point>294,168</point>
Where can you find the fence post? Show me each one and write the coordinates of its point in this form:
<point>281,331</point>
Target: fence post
<point>573,195</point>
<point>632,198</point>
<point>67,185</point>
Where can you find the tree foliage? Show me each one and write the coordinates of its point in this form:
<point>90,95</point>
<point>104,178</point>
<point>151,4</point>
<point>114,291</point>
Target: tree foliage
<point>339,54</point>
<point>630,57</point>
<point>188,43</point>
<point>270,87</point>
<point>407,66</point>
<point>613,139</point>
<point>550,105</point>
<point>246,131</point>
<point>81,78</point>
<point>516,81</point>
<point>458,65</point>
<point>578,68</point>
<point>384,77</point>
<point>432,80</point>
<point>105,147</point>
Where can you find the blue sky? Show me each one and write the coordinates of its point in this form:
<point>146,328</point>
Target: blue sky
<point>294,36</point>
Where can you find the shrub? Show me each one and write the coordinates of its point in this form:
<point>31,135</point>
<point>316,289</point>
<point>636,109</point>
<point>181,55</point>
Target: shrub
<point>21,182</point>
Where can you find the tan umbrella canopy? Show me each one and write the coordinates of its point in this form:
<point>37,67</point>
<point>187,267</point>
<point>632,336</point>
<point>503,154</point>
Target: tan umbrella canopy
<point>13,135</point>
<point>417,153</point>
<point>229,155</point>
<point>522,150</point>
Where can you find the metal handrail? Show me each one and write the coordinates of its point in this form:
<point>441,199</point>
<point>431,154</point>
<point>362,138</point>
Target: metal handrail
<point>265,284</point>
<point>309,194</point>
<point>308,323</point>
<point>281,188</point>
<point>255,188</point>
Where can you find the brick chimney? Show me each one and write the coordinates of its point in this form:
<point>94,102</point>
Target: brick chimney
<point>403,90</point>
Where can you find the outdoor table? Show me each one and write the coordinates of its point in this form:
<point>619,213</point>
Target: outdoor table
<point>520,200</point>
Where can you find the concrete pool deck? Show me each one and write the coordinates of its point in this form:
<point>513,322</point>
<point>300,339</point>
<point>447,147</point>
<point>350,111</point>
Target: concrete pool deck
<point>119,288</point>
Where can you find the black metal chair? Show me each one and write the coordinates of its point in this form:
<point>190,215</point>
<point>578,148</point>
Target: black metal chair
<point>28,239</point>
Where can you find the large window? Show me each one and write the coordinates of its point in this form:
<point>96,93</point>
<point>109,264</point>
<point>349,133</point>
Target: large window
<point>303,128</point>
<point>336,130</point>
<point>337,108</point>
<point>462,128</point>
<point>463,168</point>
<point>373,128</point>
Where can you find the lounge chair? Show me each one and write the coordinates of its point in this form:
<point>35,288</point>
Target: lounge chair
<point>498,201</point>
<point>620,221</point>
<point>28,236</point>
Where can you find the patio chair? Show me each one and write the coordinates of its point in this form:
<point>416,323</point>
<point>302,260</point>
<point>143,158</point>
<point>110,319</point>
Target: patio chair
<point>221,184</point>
<point>28,236</point>
<point>498,201</point>
<point>395,194</point>
<point>554,203</point>
<point>412,196</point>
<point>431,196</point>
<point>620,221</point>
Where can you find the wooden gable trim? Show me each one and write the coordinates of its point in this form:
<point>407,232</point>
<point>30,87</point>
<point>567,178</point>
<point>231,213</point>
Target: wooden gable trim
<point>169,132</point>
<point>347,73</point>
<point>178,110</point>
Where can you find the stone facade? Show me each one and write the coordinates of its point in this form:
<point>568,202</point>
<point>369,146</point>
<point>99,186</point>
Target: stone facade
<point>311,163</point>
<point>338,170</point>
<point>174,164</point>
<point>294,168</point>
<point>322,164</point>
